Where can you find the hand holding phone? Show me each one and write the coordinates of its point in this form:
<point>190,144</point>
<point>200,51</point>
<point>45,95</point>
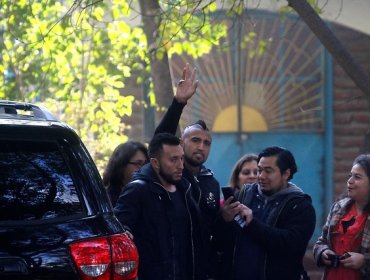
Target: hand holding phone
<point>227,192</point>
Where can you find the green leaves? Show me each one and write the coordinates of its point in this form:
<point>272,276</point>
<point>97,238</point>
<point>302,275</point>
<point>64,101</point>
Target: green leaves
<point>73,58</point>
<point>77,57</point>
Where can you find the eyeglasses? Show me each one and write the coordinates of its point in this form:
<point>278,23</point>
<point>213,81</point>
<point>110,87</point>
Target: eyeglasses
<point>137,163</point>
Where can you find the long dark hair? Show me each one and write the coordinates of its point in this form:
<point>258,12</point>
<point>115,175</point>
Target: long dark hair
<point>113,175</point>
<point>364,161</point>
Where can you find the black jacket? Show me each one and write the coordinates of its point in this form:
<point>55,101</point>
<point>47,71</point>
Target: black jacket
<point>205,187</point>
<point>280,240</point>
<point>144,208</point>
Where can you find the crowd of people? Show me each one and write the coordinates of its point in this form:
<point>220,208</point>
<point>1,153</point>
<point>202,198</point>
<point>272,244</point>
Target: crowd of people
<point>171,205</point>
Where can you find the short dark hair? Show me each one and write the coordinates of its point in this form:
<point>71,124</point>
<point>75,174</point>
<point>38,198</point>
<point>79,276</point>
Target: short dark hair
<point>200,124</point>
<point>285,159</point>
<point>160,139</point>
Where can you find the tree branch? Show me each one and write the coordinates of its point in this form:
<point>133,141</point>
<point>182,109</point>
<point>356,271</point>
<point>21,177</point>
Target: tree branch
<point>333,45</point>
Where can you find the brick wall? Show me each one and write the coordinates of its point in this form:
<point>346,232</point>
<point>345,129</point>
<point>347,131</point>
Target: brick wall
<point>351,120</point>
<point>351,110</point>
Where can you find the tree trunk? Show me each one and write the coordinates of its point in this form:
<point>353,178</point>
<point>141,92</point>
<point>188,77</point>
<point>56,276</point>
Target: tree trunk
<point>337,50</point>
<point>160,68</point>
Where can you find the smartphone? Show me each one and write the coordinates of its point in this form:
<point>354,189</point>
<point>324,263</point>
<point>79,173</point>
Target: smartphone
<point>227,192</point>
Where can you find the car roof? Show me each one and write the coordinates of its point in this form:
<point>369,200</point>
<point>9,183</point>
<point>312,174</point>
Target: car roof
<point>24,111</point>
<point>13,113</point>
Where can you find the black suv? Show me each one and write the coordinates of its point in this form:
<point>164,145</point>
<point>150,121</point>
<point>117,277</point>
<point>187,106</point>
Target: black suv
<point>56,221</point>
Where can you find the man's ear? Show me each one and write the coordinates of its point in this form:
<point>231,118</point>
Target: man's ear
<point>155,163</point>
<point>286,174</point>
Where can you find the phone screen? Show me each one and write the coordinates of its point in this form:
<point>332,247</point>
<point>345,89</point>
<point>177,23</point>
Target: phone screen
<point>227,192</point>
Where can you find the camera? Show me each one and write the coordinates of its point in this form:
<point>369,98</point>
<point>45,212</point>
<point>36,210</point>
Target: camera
<point>335,259</point>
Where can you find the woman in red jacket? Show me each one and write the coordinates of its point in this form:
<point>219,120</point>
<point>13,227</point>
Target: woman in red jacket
<point>344,244</point>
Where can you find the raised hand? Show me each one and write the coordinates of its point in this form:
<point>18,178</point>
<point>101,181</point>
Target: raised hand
<point>188,84</point>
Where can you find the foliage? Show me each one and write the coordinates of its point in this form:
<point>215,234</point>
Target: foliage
<point>75,57</point>
<point>72,60</point>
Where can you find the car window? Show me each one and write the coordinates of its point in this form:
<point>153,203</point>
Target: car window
<point>35,183</point>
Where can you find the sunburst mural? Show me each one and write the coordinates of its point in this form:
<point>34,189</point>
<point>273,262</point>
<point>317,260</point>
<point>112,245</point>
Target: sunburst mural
<point>281,89</point>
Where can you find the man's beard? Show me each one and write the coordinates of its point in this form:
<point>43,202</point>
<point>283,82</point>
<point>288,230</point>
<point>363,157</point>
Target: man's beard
<point>192,162</point>
<point>267,193</point>
<point>168,178</point>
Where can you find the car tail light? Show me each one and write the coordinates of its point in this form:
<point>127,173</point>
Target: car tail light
<point>105,258</point>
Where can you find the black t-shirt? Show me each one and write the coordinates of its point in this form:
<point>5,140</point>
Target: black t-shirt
<point>181,236</point>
